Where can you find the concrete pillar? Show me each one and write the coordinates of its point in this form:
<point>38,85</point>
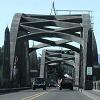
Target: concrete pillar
<point>42,65</point>
<point>86,23</point>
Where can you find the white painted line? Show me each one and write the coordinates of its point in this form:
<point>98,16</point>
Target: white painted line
<point>30,96</point>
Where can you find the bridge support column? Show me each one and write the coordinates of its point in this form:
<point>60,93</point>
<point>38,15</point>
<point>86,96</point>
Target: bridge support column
<point>89,69</point>
<point>87,54</point>
<point>42,66</point>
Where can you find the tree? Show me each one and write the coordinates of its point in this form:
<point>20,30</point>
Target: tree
<point>1,63</point>
<point>1,56</point>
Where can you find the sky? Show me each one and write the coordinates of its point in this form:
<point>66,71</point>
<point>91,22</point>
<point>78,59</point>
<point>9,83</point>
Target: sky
<point>9,7</point>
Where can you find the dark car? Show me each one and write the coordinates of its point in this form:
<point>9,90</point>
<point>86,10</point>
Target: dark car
<point>66,83</point>
<point>39,83</point>
<point>52,84</point>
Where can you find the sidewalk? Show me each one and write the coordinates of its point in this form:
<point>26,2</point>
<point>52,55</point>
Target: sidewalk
<point>93,94</point>
<point>96,90</point>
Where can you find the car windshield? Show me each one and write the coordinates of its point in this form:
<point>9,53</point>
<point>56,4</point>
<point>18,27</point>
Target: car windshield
<point>39,80</point>
<point>52,82</point>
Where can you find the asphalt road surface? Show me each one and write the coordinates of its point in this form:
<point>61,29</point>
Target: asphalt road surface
<point>49,94</point>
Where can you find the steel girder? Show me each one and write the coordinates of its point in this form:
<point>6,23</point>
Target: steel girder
<point>49,57</point>
<point>61,43</point>
<point>69,27</point>
<point>61,56</point>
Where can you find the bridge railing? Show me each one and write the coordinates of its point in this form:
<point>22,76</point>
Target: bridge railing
<point>69,12</point>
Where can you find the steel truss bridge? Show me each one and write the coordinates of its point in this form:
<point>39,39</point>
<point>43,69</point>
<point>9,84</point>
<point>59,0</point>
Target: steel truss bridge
<point>69,28</point>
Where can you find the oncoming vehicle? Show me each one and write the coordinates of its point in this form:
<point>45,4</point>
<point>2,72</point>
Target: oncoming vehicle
<point>66,82</point>
<point>39,83</point>
<point>52,84</point>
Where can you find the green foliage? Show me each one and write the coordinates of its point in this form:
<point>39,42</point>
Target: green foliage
<point>0,72</point>
<point>1,56</point>
<point>1,60</point>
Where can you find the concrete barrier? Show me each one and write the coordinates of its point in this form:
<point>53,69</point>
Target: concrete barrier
<point>13,89</point>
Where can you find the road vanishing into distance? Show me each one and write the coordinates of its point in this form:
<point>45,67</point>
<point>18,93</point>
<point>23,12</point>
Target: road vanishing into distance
<point>49,94</point>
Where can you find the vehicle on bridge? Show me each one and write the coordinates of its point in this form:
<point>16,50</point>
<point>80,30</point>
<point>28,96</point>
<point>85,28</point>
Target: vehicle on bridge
<point>39,83</point>
<point>66,82</point>
<point>52,84</point>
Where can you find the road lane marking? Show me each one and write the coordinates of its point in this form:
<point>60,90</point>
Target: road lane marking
<point>34,96</point>
<point>37,96</point>
<point>29,96</point>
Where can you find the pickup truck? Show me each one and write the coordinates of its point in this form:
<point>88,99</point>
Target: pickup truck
<point>39,83</point>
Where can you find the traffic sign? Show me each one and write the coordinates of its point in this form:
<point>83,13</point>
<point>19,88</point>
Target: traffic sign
<point>89,70</point>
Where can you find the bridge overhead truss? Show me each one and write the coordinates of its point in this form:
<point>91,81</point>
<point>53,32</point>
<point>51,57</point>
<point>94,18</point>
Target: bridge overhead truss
<point>69,28</point>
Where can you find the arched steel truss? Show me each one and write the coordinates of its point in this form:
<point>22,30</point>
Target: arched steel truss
<point>76,28</point>
<point>60,56</point>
